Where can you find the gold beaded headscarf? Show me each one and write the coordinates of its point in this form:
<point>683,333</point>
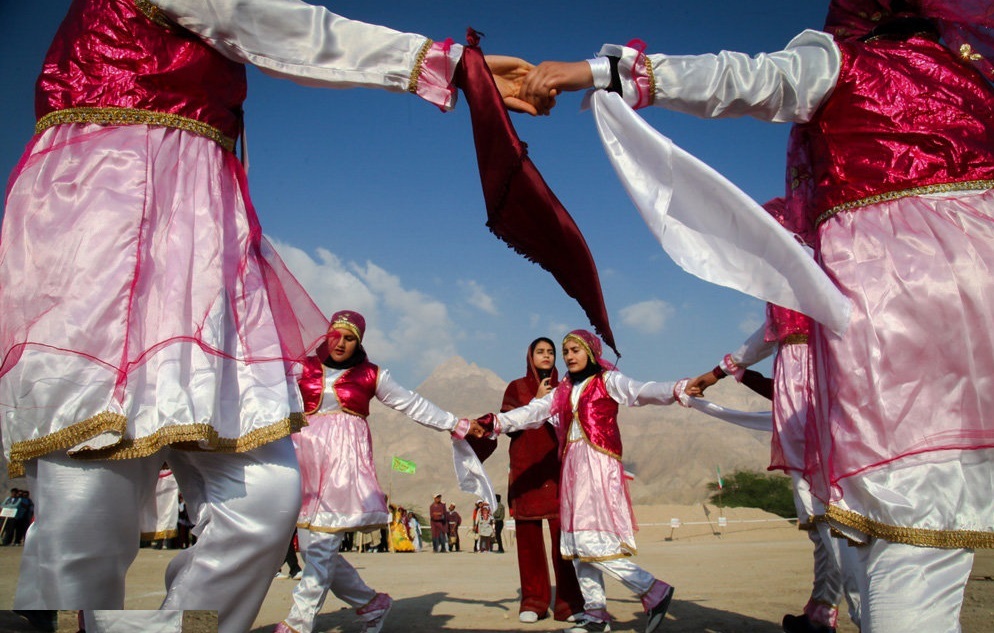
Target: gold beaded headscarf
<point>591,344</point>
<point>351,321</point>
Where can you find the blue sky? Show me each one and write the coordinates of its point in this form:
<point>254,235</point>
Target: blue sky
<point>374,200</point>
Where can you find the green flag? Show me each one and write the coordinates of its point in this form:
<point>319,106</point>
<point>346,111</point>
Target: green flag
<point>721,482</point>
<point>403,465</point>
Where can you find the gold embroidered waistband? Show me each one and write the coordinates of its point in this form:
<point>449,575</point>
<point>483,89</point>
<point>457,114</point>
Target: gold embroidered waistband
<point>132,116</point>
<point>949,539</point>
<point>945,187</point>
<point>795,339</point>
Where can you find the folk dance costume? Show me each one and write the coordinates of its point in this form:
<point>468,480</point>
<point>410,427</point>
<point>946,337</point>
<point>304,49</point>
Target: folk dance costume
<point>341,492</point>
<point>160,516</point>
<point>533,496</point>
<point>891,159</point>
<point>595,509</point>
<point>787,334</point>
<point>131,173</point>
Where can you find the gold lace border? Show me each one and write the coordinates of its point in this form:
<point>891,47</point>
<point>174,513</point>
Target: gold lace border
<point>188,437</point>
<point>133,116</point>
<point>795,339</point>
<point>158,536</point>
<point>945,187</point>
<point>947,539</point>
<point>419,62</point>
<point>153,13</point>
<point>307,525</point>
<point>652,80</point>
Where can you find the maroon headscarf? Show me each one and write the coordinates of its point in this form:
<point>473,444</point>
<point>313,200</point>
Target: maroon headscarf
<point>522,390</point>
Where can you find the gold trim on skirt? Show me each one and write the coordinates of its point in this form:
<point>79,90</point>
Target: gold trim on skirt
<point>947,539</point>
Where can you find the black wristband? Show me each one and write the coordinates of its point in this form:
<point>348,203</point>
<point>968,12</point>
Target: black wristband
<point>615,85</point>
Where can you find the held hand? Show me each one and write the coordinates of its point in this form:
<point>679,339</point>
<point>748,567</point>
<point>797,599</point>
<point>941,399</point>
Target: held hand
<point>696,386</point>
<point>475,430</point>
<point>549,79</point>
<point>509,73</point>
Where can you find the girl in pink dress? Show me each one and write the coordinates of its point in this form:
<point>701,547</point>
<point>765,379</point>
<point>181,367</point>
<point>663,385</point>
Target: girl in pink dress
<point>340,490</point>
<point>595,512</point>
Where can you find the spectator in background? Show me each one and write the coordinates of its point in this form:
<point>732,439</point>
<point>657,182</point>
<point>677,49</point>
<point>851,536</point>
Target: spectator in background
<point>9,522</point>
<point>25,514</point>
<point>485,528</point>
<point>499,512</point>
<point>453,524</point>
<point>439,525</point>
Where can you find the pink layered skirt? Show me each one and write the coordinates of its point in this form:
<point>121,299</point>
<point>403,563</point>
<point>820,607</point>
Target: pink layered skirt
<point>141,305</point>
<point>906,395</point>
<point>595,507</point>
<point>338,479</point>
<point>793,408</point>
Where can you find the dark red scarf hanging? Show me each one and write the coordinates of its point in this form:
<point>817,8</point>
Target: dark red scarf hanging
<point>521,208</point>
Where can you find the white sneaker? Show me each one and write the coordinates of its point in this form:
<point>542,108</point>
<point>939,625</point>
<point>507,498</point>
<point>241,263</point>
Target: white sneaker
<point>298,575</point>
<point>281,575</point>
<point>528,617</point>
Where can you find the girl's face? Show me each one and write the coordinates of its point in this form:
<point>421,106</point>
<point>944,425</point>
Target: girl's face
<point>575,356</point>
<point>543,356</point>
<point>346,345</point>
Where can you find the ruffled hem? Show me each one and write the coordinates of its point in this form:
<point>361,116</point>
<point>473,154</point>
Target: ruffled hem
<point>190,437</point>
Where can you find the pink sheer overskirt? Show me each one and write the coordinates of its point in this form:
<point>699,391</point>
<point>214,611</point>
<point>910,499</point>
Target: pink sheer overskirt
<point>140,299</point>
<point>595,507</point>
<point>906,395</point>
<point>338,478</point>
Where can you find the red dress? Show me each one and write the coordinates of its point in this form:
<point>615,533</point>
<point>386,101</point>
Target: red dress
<point>533,495</point>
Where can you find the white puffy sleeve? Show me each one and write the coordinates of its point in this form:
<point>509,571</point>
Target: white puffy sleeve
<point>313,46</point>
<point>411,404</point>
<point>788,85</point>
<point>530,416</point>
<point>632,393</point>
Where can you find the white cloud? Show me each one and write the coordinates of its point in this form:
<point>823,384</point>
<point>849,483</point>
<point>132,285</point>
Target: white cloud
<point>478,297</point>
<point>647,317</point>
<point>407,330</point>
<point>751,323</point>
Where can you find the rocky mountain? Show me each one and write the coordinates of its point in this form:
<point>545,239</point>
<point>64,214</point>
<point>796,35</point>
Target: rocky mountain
<point>672,451</point>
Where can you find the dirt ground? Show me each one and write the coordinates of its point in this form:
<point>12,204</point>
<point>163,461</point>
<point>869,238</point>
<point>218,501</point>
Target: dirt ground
<point>740,578</point>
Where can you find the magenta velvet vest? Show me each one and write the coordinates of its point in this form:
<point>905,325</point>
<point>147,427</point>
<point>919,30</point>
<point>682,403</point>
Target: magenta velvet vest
<point>110,63</point>
<point>598,415</point>
<point>903,115</point>
<point>353,389</point>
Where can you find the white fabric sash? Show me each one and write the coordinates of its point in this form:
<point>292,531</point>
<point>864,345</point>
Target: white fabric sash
<point>708,226</point>
<point>755,421</point>
<point>469,471</point>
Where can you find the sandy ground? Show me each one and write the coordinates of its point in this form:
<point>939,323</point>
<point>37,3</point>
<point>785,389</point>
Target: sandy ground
<point>740,578</point>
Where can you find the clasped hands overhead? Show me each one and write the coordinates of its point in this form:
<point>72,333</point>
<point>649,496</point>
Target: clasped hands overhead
<point>533,89</point>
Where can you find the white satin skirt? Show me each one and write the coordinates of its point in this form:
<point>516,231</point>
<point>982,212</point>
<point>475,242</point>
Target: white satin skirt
<point>160,513</point>
<point>595,507</point>
<point>142,306</point>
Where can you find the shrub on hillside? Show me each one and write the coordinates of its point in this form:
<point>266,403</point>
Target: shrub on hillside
<point>745,489</point>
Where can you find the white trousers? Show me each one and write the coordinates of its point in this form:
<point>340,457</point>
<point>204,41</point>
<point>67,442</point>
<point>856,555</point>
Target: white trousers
<point>908,588</point>
<point>324,568</point>
<point>85,534</point>
<point>833,578</point>
<point>131,621</point>
<point>590,575</point>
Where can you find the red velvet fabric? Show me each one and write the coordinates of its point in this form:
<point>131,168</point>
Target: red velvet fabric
<point>107,53</point>
<point>521,208</point>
